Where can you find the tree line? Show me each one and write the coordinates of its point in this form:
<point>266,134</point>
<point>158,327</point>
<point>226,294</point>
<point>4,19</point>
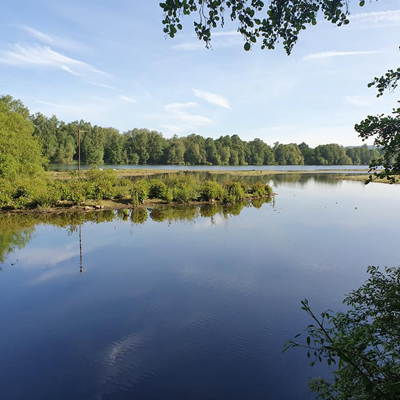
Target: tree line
<point>100,145</point>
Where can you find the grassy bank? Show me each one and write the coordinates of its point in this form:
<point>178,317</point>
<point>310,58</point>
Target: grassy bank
<point>129,173</point>
<point>362,178</point>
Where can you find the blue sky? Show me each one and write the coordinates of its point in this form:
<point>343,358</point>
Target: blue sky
<point>109,63</point>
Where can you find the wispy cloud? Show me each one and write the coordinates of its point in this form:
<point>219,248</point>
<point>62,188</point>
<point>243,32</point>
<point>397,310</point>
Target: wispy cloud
<point>53,40</point>
<point>331,54</point>
<point>212,98</point>
<point>129,99</point>
<point>219,39</point>
<point>375,19</point>
<point>44,57</point>
<point>358,101</point>
<point>178,112</point>
<point>37,34</point>
<point>103,85</point>
<point>189,46</point>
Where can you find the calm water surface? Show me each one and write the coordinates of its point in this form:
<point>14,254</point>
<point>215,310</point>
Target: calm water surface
<point>187,303</point>
<point>325,168</point>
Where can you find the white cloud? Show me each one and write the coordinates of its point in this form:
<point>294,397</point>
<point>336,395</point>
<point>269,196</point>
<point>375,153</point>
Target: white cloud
<point>129,99</point>
<point>225,33</point>
<point>179,120</point>
<point>212,98</point>
<point>37,34</point>
<point>53,40</point>
<point>330,54</point>
<point>219,39</point>
<point>44,57</point>
<point>177,110</point>
<point>189,46</point>
<point>102,85</point>
<point>358,101</point>
<point>375,19</point>
<point>70,71</point>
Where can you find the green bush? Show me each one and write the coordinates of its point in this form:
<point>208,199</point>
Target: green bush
<point>211,190</point>
<point>234,192</point>
<point>258,189</point>
<point>169,195</point>
<point>139,192</point>
<point>6,191</point>
<point>157,189</point>
<point>101,185</point>
<point>73,192</point>
<point>47,195</point>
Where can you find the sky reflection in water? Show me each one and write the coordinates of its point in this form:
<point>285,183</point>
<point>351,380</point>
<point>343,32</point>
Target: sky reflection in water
<point>184,304</point>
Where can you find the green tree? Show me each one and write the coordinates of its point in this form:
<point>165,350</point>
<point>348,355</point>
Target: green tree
<point>20,150</point>
<point>113,147</point>
<point>92,144</point>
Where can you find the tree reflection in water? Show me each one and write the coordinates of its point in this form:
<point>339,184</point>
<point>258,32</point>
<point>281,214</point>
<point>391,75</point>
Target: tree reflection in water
<point>17,230</point>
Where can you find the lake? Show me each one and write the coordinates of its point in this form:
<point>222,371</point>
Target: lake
<point>187,302</point>
<point>324,168</point>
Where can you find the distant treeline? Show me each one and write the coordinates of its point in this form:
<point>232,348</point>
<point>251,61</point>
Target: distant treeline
<point>141,146</point>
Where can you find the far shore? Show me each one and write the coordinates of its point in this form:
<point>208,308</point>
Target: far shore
<point>126,173</point>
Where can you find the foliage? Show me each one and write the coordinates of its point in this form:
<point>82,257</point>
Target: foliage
<point>260,189</point>
<point>279,20</point>
<point>141,146</point>
<point>363,341</point>
<point>234,192</point>
<point>157,190</point>
<point>20,151</point>
<point>211,190</point>
<point>139,192</point>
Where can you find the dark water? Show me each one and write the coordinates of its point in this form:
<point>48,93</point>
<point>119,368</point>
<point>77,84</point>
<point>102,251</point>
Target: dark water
<point>324,168</point>
<point>187,303</point>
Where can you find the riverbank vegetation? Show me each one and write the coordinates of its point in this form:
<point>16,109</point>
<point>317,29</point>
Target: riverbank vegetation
<point>361,342</point>
<point>97,188</point>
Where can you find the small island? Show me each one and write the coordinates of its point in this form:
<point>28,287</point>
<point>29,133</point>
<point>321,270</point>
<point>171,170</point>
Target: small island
<point>98,189</point>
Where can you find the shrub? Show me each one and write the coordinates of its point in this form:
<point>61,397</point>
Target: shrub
<point>258,189</point>
<point>184,194</point>
<point>157,189</point>
<point>6,191</point>
<point>211,190</point>
<point>234,192</point>
<point>101,184</point>
<point>169,195</point>
<point>139,192</point>
<point>73,192</point>
<point>47,195</point>
<point>245,187</point>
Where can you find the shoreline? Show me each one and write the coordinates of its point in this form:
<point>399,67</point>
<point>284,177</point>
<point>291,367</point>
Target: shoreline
<point>109,205</point>
<point>126,173</point>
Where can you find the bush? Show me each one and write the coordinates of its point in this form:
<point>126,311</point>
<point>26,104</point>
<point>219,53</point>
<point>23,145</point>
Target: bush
<point>73,192</point>
<point>184,194</point>
<point>157,189</point>
<point>234,192</point>
<point>258,189</point>
<point>211,190</point>
<point>47,195</point>
<point>169,195</point>
<point>139,192</point>
<point>6,191</point>
<point>101,185</point>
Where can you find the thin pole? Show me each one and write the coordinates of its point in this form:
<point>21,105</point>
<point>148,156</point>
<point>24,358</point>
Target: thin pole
<point>79,155</point>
